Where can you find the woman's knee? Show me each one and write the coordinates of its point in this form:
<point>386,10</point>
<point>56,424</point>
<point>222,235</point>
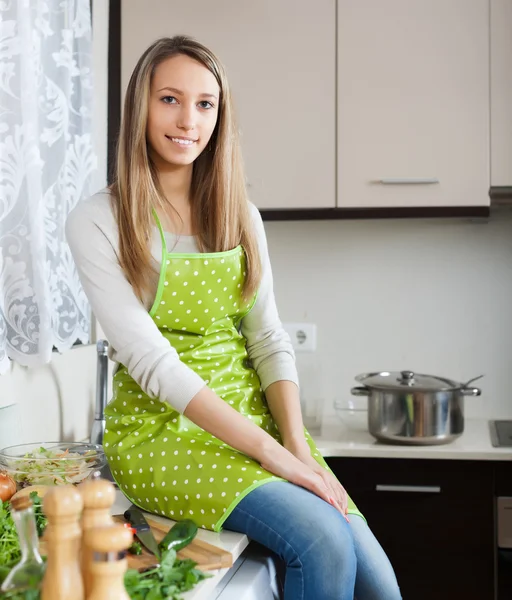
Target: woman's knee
<point>329,547</point>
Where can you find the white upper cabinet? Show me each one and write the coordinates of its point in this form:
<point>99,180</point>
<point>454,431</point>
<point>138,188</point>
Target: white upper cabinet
<point>281,60</point>
<point>501,92</point>
<point>413,103</point>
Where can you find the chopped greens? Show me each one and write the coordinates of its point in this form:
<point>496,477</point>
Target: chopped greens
<point>168,581</point>
<point>135,548</point>
<point>41,520</point>
<point>10,552</point>
<point>9,545</point>
<point>52,467</point>
<point>165,582</point>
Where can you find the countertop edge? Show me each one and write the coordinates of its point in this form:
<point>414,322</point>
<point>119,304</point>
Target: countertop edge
<point>386,452</point>
<point>474,444</point>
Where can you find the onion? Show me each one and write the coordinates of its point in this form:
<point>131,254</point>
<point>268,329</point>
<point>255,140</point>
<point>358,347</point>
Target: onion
<point>7,486</point>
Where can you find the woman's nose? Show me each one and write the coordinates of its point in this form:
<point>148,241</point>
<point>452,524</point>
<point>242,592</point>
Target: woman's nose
<point>186,120</point>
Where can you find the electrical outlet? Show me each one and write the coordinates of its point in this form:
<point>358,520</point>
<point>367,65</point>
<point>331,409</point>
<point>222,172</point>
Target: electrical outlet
<point>303,336</point>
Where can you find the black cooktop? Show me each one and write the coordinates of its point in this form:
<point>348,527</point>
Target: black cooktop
<point>501,433</point>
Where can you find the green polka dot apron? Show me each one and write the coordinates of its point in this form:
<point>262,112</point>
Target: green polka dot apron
<point>162,461</point>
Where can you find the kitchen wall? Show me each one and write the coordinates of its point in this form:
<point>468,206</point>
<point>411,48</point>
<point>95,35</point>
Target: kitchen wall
<point>51,402</point>
<point>431,296</point>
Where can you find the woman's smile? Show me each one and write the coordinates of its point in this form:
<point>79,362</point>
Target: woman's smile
<point>183,142</point>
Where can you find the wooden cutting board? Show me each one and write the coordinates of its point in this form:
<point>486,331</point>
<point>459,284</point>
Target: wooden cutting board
<point>207,556</point>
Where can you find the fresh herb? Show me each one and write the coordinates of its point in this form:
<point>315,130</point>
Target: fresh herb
<point>165,582</point>
<point>135,548</point>
<point>9,543</point>
<point>168,581</point>
<point>41,520</point>
<point>32,594</point>
<point>10,552</point>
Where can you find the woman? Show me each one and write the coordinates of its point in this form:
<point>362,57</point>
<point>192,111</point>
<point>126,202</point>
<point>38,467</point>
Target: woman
<point>205,419</point>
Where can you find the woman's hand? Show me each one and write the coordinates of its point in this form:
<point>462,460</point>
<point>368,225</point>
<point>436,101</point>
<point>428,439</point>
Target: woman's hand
<point>301,450</point>
<point>309,475</point>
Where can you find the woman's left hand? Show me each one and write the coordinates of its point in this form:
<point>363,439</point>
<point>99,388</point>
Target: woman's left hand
<point>302,451</point>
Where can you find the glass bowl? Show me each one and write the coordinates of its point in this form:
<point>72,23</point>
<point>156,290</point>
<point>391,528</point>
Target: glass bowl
<point>51,463</point>
<point>353,416</point>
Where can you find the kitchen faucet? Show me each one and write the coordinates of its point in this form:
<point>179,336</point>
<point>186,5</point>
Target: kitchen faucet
<point>98,425</point>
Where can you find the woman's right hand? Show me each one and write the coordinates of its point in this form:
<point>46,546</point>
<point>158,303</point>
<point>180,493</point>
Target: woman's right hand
<point>283,463</point>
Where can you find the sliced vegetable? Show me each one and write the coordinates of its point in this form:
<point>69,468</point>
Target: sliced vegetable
<point>52,467</point>
<point>7,486</point>
<point>179,536</point>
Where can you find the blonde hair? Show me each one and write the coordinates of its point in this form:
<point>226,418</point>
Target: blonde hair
<point>219,204</point>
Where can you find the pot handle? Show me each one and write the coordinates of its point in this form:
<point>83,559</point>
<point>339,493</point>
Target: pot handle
<point>471,391</point>
<point>360,390</point>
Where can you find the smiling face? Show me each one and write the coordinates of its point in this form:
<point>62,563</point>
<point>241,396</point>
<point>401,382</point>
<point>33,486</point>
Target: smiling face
<point>183,111</point>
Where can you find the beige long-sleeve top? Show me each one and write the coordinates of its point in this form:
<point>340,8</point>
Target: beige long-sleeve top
<point>135,340</point>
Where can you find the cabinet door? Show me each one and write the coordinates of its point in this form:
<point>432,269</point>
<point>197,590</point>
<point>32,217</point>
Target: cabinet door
<point>501,92</point>
<point>280,58</point>
<point>434,519</point>
<point>413,103</point>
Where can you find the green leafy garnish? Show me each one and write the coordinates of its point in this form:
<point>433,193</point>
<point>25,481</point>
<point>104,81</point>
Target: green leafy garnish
<point>41,520</point>
<point>135,548</point>
<point>167,582</point>
<point>9,545</point>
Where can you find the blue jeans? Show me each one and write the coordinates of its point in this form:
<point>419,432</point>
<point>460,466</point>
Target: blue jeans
<point>326,558</point>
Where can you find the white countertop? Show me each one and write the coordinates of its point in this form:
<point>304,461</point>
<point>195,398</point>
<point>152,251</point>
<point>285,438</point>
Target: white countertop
<point>335,439</point>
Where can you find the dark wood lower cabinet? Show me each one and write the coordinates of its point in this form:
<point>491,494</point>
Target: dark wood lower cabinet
<point>434,519</point>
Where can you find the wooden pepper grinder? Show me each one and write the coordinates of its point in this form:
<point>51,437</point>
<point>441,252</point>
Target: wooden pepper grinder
<point>108,546</point>
<point>62,506</point>
<point>98,496</point>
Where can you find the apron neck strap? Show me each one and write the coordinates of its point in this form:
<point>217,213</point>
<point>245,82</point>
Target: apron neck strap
<point>162,235</point>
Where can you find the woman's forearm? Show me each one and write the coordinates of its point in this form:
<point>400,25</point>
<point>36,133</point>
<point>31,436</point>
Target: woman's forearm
<point>214,415</point>
<point>284,403</point>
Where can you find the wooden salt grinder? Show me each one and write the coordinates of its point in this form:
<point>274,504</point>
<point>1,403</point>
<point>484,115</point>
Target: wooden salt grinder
<point>98,496</point>
<point>62,506</point>
<point>108,545</point>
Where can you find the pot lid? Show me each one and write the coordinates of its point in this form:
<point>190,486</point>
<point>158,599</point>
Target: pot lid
<point>398,380</point>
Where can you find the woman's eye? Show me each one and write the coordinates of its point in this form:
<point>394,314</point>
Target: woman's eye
<point>169,99</point>
<point>205,104</point>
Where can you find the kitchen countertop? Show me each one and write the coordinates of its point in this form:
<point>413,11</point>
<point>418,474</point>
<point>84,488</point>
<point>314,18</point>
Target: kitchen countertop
<point>335,439</point>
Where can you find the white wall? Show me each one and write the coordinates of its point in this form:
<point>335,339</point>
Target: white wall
<point>52,402</point>
<point>430,296</point>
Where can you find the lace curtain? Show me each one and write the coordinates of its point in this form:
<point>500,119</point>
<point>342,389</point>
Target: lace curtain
<point>46,166</point>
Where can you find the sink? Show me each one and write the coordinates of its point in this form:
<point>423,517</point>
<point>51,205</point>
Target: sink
<point>501,433</point>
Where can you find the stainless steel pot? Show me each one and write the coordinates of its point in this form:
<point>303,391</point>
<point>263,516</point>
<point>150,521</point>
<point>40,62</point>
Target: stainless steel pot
<point>408,408</point>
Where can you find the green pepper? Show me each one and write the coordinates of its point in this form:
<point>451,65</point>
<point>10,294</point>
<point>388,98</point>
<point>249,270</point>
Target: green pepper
<point>179,536</point>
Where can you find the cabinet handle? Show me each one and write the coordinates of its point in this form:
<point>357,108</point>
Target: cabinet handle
<point>422,489</point>
<point>424,181</point>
